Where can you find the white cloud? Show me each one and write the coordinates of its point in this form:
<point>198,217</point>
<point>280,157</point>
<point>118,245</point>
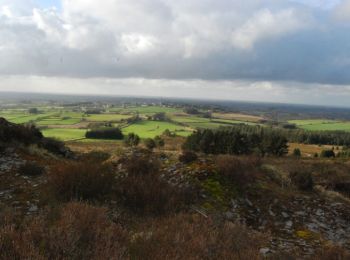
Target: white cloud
<point>264,25</point>
<point>342,11</point>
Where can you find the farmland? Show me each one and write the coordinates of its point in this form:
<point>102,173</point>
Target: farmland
<point>71,124</point>
<point>150,129</point>
<point>322,125</point>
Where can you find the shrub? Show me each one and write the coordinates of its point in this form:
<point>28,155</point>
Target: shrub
<point>56,147</point>
<point>77,231</point>
<point>296,152</point>
<point>149,143</point>
<point>195,237</point>
<point>81,181</point>
<point>159,141</point>
<point>105,133</point>
<point>33,110</point>
<point>327,154</point>
<point>132,140</point>
<point>144,191</point>
<point>188,157</point>
<point>26,134</point>
<point>168,133</point>
<point>302,179</point>
<point>31,169</point>
<point>97,156</point>
<point>239,171</point>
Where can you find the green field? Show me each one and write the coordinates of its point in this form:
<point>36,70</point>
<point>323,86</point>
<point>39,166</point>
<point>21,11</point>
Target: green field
<point>21,118</point>
<point>150,129</point>
<point>200,122</point>
<point>322,125</point>
<point>106,117</point>
<point>147,110</point>
<point>64,134</point>
<point>58,121</point>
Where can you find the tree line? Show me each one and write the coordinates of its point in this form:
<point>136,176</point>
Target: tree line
<point>246,139</point>
<point>239,141</point>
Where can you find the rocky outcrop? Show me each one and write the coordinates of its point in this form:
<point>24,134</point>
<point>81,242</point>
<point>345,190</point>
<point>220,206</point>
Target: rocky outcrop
<point>11,133</point>
<point>26,134</point>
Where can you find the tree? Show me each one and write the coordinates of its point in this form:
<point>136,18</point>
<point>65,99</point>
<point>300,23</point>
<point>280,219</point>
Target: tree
<point>297,152</point>
<point>149,143</point>
<point>327,154</point>
<point>191,111</point>
<point>238,140</point>
<point>168,133</point>
<point>105,133</point>
<point>161,116</point>
<point>159,141</point>
<point>33,110</point>
<point>132,140</point>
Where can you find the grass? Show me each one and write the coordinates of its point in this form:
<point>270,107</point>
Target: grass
<point>322,125</point>
<point>150,129</point>
<point>65,134</point>
<point>237,116</point>
<point>58,121</point>
<point>148,109</point>
<point>200,122</point>
<point>106,117</point>
<point>26,118</point>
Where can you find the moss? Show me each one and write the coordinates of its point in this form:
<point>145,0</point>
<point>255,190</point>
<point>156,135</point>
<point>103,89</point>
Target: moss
<point>306,234</point>
<point>215,189</point>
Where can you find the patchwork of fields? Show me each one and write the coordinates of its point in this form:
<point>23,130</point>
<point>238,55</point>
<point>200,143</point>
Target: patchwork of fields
<point>322,125</point>
<point>68,125</point>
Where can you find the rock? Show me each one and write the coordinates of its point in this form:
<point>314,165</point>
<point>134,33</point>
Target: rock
<point>265,251</point>
<point>285,215</point>
<point>319,212</point>
<point>289,224</point>
<point>229,215</point>
<point>33,208</point>
<point>249,202</point>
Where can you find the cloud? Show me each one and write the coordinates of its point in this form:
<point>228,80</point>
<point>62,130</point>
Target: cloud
<point>226,40</point>
<point>342,11</point>
<point>244,90</point>
<point>264,24</point>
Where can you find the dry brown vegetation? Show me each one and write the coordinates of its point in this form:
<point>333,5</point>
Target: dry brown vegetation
<point>240,171</point>
<point>77,231</point>
<point>145,192</point>
<point>187,236</point>
<point>81,181</point>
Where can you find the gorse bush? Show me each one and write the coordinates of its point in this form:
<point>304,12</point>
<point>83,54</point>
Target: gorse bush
<point>238,171</point>
<point>81,181</point>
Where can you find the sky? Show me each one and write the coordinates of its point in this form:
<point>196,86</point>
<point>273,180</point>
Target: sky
<point>290,51</point>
